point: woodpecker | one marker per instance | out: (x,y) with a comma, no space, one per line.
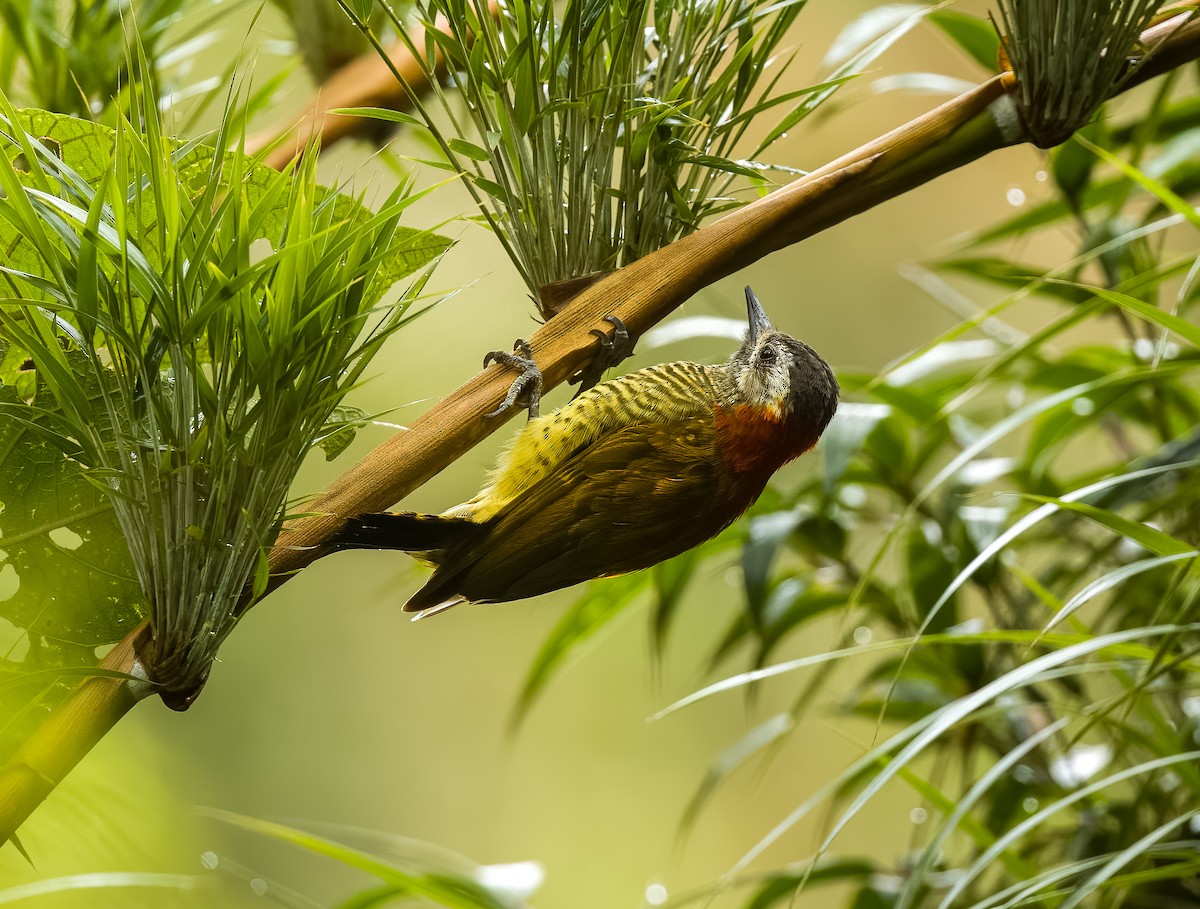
(631,472)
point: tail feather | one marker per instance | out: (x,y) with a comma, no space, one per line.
(404,531)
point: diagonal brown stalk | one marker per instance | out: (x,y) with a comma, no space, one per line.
(956,133)
(367,81)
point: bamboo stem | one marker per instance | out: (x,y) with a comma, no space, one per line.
(68,733)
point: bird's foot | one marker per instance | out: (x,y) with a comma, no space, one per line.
(526,389)
(614,348)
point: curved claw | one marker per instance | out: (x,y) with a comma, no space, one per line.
(614,348)
(528,385)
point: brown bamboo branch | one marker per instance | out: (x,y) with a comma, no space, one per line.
(642,293)
(363,82)
(366,81)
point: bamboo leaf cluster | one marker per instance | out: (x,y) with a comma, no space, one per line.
(1068,58)
(595,134)
(196,319)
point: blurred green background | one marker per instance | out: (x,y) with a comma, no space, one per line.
(328,707)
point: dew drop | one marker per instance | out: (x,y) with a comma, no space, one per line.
(853,496)
(1041,176)
(259,886)
(862,635)
(513,883)
(1083,406)
(1015,196)
(1079,765)
(918,815)
(656,894)
(1030,805)
(209,861)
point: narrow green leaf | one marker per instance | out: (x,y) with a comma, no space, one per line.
(1148,537)
(470,149)
(105,880)
(1114,578)
(441,886)
(1155,187)
(1189,331)
(379,113)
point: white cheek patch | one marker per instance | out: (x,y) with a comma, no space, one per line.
(768,389)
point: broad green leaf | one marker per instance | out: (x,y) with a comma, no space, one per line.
(87,148)
(845,435)
(67,585)
(341,428)
(766,534)
(977,37)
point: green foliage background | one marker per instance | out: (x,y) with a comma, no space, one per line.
(979,398)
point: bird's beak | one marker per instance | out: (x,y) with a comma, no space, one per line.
(759,323)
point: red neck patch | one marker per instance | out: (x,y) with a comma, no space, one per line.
(755,439)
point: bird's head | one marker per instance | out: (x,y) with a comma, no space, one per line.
(776,372)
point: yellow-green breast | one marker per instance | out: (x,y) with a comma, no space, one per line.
(658,394)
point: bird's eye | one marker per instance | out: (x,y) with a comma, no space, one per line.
(767,355)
